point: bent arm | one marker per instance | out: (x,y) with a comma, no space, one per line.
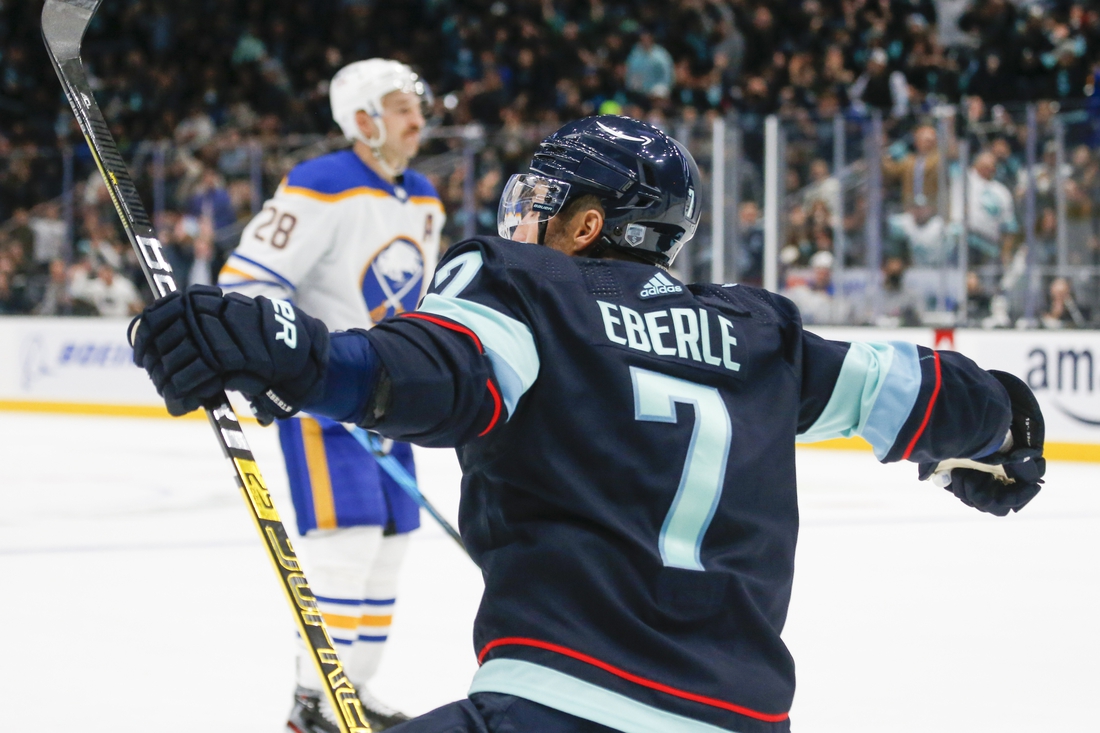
(436,380)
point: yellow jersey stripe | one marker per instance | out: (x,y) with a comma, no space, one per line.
(227,270)
(430,200)
(334,197)
(341,622)
(357,191)
(324,508)
(376,620)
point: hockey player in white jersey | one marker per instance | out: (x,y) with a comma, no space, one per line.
(353,237)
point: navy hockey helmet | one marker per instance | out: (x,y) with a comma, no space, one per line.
(647,183)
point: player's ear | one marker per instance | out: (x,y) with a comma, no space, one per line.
(586,227)
(366,125)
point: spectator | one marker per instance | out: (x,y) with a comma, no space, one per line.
(992,83)
(917,172)
(1046,237)
(751,237)
(978,300)
(1008,163)
(649,69)
(487,103)
(817,299)
(11,301)
(49,233)
(920,235)
(823,188)
(202,269)
(12,283)
(1045,173)
(729,53)
(879,88)
(210,200)
(196,130)
(1080,224)
(991,218)
(899,306)
(21,231)
(111,295)
(56,299)
(249,81)
(1063,310)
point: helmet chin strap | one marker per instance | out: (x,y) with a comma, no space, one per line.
(375,144)
(391,170)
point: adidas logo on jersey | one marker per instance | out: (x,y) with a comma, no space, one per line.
(659,285)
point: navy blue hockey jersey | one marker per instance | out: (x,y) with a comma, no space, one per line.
(627,446)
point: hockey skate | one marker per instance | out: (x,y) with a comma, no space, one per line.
(378,715)
(311,714)
(308,715)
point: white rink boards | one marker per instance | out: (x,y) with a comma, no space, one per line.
(137,596)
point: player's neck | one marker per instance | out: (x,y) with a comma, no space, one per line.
(613,254)
(386,170)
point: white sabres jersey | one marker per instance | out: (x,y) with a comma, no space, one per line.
(341,242)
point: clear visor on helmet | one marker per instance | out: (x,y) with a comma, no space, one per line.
(527,201)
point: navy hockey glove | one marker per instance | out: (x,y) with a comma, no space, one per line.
(197,344)
(1010,478)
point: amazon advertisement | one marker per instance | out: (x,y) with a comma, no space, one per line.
(1061,368)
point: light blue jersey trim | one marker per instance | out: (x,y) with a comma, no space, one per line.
(508,343)
(894,401)
(570,695)
(874,393)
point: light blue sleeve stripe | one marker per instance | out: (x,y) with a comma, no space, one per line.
(874,393)
(894,401)
(570,695)
(508,343)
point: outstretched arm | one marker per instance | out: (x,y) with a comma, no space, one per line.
(913,403)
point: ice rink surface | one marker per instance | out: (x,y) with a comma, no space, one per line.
(138,598)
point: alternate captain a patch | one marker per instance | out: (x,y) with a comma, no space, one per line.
(393,279)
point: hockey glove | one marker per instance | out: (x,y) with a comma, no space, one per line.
(197,344)
(1010,478)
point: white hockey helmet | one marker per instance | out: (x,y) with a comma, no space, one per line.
(361,85)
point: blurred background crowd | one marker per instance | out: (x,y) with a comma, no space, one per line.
(923,140)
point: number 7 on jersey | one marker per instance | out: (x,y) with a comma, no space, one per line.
(655,399)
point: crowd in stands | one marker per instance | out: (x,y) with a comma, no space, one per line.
(213,77)
(922,182)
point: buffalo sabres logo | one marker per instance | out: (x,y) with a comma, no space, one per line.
(392,280)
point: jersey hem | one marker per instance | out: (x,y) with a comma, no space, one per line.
(629,677)
(585,700)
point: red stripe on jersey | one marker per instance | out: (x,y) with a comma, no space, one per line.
(449,325)
(496,407)
(928,412)
(520,641)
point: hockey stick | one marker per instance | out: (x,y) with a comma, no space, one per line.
(373,443)
(941,474)
(63,25)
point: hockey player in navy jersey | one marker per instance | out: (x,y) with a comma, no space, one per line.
(627,441)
